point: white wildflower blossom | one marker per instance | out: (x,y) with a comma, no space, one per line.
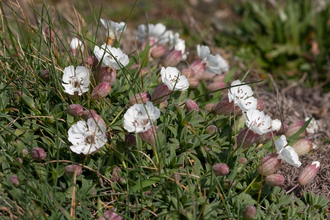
(75,43)
(139,117)
(75,80)
(173,80)
(286,152)
(242,96)
(177,43)
(87,138)
(113,28)
(154,32)
(257,121)
(276,125)
(213,63)
(312,127)
(111,56)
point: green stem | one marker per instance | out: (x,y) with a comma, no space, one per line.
(251,183)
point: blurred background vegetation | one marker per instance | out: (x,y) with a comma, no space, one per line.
(288,39)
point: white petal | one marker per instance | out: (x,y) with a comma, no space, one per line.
(203,51)
(276,125)
(290,156)
(249,103)
(280,143)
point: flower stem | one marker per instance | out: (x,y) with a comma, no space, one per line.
(155,152)
(251,183)
(292,189)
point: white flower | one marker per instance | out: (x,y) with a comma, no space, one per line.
(288,153)
(203,52)
(109,54)
(214,64)
(172,78)
(242,96)
(75,43)
(140,117)
(312,127)
(154,32)
(257,121)
(177,43)
(276,125)
(113,27)
(87,138)
(75,80)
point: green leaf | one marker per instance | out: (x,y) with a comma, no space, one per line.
(229,75)
(145,183)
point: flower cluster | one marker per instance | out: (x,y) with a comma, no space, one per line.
(144,107)
(213,63)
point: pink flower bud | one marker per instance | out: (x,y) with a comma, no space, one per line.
(91,62)
(144,71)
(224,107)
(101,91)
(208,107)
(303,146)
(147,193)
(215,86)
(226,184)
(218,78)
(176,177)
(242,160)
(25,152)
(75,110)
(139,98)
(71,169)
(20,160)
(86,113)
(160,94)
(106,74)
(159,51)
(220,169)
(110,215)
(50,34)
(45,75)
(172,58)
(249,212)
(199,68)
(189,73)
(191,105)
(38,154)
(211,129)
(284,128)
(14,180)
(260,105)
(308,173)
(268,136)
(269,164)
(208,76)
(295,127)
(130,140)
(150,135)
(247,138)
(193,83)
(275,180)
(152,45)
(115,174)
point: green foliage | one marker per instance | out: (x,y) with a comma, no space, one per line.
(285,39)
